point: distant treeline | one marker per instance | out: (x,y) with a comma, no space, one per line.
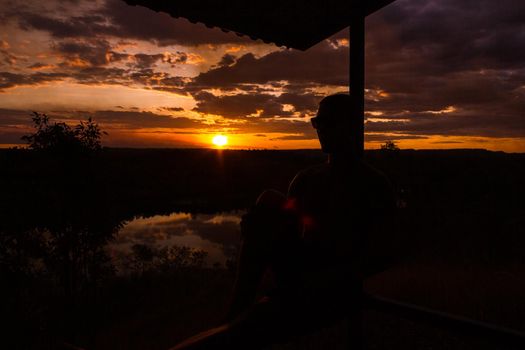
(448,196)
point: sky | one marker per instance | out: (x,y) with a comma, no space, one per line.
(439,74)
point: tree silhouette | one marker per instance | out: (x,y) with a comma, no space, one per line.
(389,145)
(63,138)
(74,218)
(145,258)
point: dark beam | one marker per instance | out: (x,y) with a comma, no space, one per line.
(505,338)
(357,83)
(297,24)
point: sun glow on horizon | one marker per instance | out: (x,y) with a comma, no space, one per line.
(220,140)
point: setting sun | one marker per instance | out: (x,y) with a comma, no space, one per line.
(220,140)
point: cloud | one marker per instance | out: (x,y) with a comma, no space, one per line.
(115,18)
(40,66)
(432,55)
(7,58)
(91,52)
(146,61)
(226,60)
(278,84)
(462,57)
(256,105)
(12,137)
(172,109)
(144,120)
(321,65)
(10,117)
(240,105)
(280,126)
(460,125)
(122,119)
(295,137)
(9,80)
(98,75)
(390,137)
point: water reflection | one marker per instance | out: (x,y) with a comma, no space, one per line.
(217,234)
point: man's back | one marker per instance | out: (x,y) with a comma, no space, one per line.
(339,206)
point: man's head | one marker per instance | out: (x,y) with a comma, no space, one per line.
(333,123)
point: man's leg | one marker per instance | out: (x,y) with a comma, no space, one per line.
(256,250)
(248,322)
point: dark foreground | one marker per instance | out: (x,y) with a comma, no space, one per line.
(457,246)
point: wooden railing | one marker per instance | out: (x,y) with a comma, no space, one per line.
(462,325)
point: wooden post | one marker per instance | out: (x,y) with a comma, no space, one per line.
(357,82)
(357,92)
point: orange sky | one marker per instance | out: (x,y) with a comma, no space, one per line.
(178,84)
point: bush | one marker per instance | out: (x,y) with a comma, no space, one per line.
(84,137)
(389,146)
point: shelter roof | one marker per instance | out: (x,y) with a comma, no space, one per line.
(297,24)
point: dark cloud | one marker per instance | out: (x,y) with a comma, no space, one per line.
(306,102)
(93,52)
(141,23)
(86,26)
(143,120)
(449,142)
(268,126)
(38,65)
(240,105)
(88,62)
(7,58)
(103,75)
(256,104)
(322,65)
(176,58)
(288,70)
(454,124)
(121,119)
(295,137)
(116,18)
(13,117)
(9,80)
(226,60)
(390,137)
(428,56)
(291,71)
(171,109)
(457,34)
(11,136)
(146,61)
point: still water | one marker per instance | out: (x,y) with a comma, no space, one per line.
(217,234)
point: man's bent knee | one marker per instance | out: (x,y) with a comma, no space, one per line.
(263,219)
(271,199)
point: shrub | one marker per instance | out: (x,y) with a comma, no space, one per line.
(63,138)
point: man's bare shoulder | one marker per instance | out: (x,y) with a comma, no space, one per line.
(302,178)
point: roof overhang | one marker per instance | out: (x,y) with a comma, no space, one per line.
(297,24)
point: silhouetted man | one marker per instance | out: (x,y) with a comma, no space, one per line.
(313,241)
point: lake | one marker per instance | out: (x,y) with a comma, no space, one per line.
(217,234)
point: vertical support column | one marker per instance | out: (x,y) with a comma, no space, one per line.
(357,92)
(357,82)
